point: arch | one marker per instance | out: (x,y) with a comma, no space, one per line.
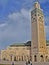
(42,58)
(27,57)
(19,58)
(46,58)
(4,58)
(11,58)
(31,58)
(35,58)
(15,58)
(22,58)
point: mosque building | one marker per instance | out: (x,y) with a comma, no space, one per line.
(37,49)
(19,52)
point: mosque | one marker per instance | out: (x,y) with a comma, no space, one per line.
(37,49)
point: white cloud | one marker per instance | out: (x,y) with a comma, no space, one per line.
(3,25)
(47,32)
(23,13)
(47,29)
(47,20)
(17,27)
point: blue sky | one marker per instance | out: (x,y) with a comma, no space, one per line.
(15,23)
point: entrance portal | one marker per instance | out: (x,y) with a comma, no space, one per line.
(14,58)
(42,58)
(35,58)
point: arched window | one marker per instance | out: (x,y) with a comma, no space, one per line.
(4,58)
(35,58)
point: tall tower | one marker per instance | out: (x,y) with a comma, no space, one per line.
(38,42)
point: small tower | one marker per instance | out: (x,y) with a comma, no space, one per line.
(38,42)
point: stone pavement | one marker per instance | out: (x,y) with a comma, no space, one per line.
(24,63)
(40,63)
(15,63)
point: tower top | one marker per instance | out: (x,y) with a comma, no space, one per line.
(36,5)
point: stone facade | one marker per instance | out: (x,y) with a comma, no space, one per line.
(17,52)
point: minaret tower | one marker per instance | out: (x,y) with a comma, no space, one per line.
(38,42)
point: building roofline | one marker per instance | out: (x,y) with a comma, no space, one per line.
(26,44)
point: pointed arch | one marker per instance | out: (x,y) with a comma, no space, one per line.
(35,58)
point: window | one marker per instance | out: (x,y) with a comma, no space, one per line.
(42,16)
(38,15)
(41,46)
(32,16)
(4,58)
(34,20)
(35,14)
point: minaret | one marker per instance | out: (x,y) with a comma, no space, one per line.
(38,42)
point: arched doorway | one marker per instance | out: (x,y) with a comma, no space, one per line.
(46,58)
(35,58)
(22,58)
(19,58)
(11,58)
(15,58)
(42,58)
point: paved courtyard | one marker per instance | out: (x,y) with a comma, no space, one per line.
(16,63)
(41,63)
(23,63)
